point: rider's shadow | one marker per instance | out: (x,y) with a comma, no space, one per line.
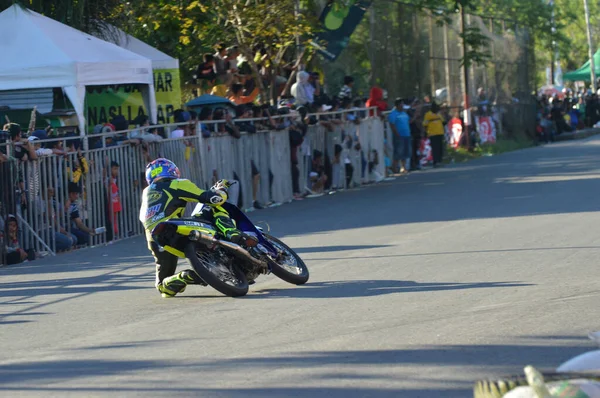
(368,288)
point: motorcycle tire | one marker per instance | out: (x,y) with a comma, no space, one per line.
(281,272)
(497,388)
(240,289)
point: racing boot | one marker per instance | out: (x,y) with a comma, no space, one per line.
(231,233)
(177,283)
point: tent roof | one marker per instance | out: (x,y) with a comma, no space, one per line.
(42,52)
(159,59)
(583,73)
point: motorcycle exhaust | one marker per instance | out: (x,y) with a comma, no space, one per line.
(238,250)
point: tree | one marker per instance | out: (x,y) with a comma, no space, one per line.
(89,16)
(186,29)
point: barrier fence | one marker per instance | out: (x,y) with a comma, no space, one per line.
(36,192)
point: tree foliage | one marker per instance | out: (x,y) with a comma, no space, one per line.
(187,29)
(86,15)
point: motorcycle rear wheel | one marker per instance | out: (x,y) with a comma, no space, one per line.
(210,268)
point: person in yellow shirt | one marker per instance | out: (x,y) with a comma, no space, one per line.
(220,90)
(434,125)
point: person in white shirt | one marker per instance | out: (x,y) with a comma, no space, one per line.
(179,132)
(43,151)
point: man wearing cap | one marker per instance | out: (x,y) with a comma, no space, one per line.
(39,151)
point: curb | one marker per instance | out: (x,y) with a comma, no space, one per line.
(578,135)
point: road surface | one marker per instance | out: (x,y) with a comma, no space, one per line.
(418,287)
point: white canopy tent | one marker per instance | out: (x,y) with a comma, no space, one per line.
(39,52)
(159,59)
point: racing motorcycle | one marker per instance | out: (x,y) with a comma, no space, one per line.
(224,265)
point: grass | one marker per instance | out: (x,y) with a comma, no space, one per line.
(502,145)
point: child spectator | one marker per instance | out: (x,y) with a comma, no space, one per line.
(115,200)
(317,173)
(15,254)
(346,91)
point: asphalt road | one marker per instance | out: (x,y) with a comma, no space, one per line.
(418,287)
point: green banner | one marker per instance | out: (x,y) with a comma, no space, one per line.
(339,20)
(103,103)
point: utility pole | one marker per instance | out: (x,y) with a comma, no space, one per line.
(450,96)
(590,48)
(431,57)
(372,22)
(465,67)
(552,56)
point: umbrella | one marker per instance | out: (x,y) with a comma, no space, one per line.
(551,91)
(208,99)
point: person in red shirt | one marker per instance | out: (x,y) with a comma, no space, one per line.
(115,199)
(376,100)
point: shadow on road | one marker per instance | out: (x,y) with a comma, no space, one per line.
(559,179)
(327,249)
(20,294)
(530,249)
(330,366)
(369,288)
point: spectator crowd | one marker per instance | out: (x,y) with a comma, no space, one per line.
(54,211)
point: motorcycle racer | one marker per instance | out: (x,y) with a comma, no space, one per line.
(165,198)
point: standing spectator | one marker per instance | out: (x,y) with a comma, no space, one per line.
(346,91)
(180,130)
(39,151)
(221,65)
(416,117)
(434,124)
(115,200)
(238,97)
(227,126)
(297,132)
(222,70)
(232,62)
(557,115)
(78,228)
(400,125)
(205,74)
(21,149)
(206,115)
(302,90)
(376,100)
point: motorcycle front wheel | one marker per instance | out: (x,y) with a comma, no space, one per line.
(209,265)
(289,266)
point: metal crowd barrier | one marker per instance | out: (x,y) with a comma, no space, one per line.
(41,201)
